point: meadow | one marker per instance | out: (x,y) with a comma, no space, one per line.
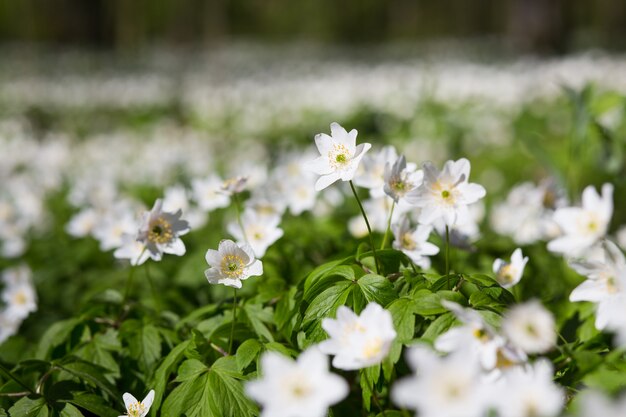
(204,234)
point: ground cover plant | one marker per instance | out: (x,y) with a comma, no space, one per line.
(451,258)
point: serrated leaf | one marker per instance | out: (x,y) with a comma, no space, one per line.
(427,303)
(377,288)
(56,335)
(190,369)
(94,404)
(330,276)
(247,353)
(228,398)
(257,315)
(89,372)
(27,407)
(324,305)
(162,374)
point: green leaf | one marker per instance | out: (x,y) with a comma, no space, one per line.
(377,288)
(190,369)
(330,276)
(27,407)
(144,342)
(257,315)
(94,404)
(247,352)
(89,372)
(70,411)
(439,326)
(324,305)
(427,303)
(162,374)
(228,398)
(369,377)
(403,315)
(56,335)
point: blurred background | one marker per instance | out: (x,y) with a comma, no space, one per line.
(544,26)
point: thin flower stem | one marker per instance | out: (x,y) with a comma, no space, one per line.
(15,394)
(131,273)
(448,254)
(375,398)
(155,295)
(238,212)
(367,223)
(388,230)
(14,378)
(232,326)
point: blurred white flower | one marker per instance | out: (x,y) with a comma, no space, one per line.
(400,179)
(302,388)
(230,264)
(371,172)
(530,327)
(82,223)
(134,408)
(132,249)
(259,231)
(581,227)
(621,237)
(510,273)
(597,404)
(113,224)
(340,156)
(442,386)
(358,341)
(234,185)
(529,392)
(446,194)
(414,242)
(19,297)
(160,232)
(207,192)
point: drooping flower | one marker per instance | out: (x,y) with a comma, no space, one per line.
(160,232)
(582,227)
(358,341)
(414,242)
(530,327)
(400,180)
(442,386)
(340,156)
(230,264)
(259,231)
(134,408)
(446,194)
(302,388)
(510,273)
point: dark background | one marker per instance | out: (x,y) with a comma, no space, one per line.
(541,26)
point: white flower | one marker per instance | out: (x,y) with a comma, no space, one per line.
(82,223)
(340,156)
(230,264)
(113,224)
(446,194)
(414,242)
(474,337)
(259,231)
(583,226)
(132,249)
(400,180)
(530,327)
(596,404)
(371,172)
(358,341)
(207,192)
(302,388)
(621,237)
(509,273)
(160,231)
(18,295)
(529,392)
(234,185)
(135,408)
(441,387)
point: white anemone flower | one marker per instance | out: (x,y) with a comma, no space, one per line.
(340,156)
(582,227)
(414,242)
(529,392)
(530,327)
(259,231)
(401,179)
(135,408)
(446,194)
(207,192)
(595,404)
(132,249)
(358,341)
(371,172)
(302,388)
(442,386)
(510,273)
(474,337)
(160,231)
(82,223)
(230,264)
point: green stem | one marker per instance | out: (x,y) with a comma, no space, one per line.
(232,326)
(448,254)
(386,236)
(131,273)
(367,223)
(375,398)
(14,378)
(155,295)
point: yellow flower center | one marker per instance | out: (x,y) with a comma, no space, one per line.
(503,362)
(506,273)
(408,242)
(160,231)
(481,334)
(20,298)
(232,265)
(136,409)
(373,348)
(445,194)
(339,156)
